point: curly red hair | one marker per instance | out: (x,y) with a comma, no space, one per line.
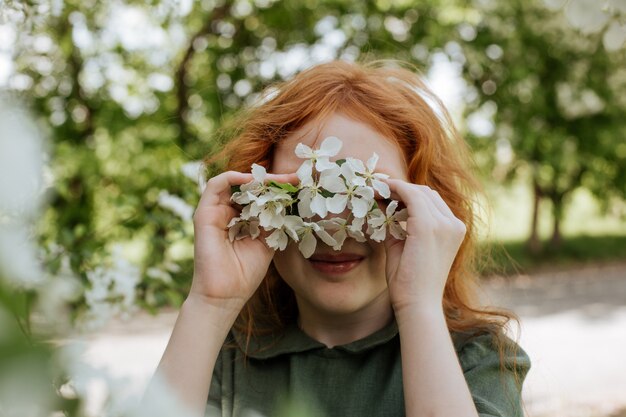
(395,102)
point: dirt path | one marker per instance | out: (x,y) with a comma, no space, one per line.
(573,327)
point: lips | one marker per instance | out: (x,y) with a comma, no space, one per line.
(335,264)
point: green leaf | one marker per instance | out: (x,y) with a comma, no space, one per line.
(235,189)
(340,162)
(290,188)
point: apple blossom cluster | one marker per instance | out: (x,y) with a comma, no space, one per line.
(286,211)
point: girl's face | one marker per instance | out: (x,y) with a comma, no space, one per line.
(364,286)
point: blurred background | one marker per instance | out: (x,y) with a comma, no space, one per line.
(108,107)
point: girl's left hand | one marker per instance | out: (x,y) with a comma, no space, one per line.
(417,268)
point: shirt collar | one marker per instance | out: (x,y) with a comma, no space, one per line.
(294,340)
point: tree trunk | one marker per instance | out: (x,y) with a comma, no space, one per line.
(557,211)
(533,244)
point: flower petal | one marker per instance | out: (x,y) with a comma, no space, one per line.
(401,215)
(240,198)
(265,218)
(379,234)
(329,224)
(277,240)
(233,221)
(366,192)
(307,245)
(347,172)
(278,219)
(360,207)
(258,173)
(304,205)
(254,229)
(357,224)
(391,208)
(303,151)
(305,173)
(356,165)
(326,238)
(245,212)
(234,229)
(381,187)
(334,184)
(292,225)
(359,181)
(397,231)
(318,206)
(253,208)
(337,203)
(339,236)
(330,146)
(371,163)
(358,236)
(324,164)
(376,218)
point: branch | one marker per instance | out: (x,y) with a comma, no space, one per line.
(182,92)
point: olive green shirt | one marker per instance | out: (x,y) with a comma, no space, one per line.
(297,376)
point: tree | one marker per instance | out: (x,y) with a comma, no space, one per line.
(558,100)
(132,93)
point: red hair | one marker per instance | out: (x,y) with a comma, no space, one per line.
(395,102)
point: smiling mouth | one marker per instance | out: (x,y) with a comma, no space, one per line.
(336,264)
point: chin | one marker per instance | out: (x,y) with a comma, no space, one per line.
(340,301)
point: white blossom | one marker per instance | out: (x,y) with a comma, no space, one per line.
(254,188)
(325,187)
(308,242)
(311,199)
(19,263)
(238,228)
(176,205)
(160,274)
(359,196)
(378,222)
(111,291)
(320,157)
(22,158)
(55,294)
(194,170)
(342,229)
(270,208)
(367,172)
(279,238)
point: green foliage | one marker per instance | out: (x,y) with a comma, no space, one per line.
(126,113)
(555,98)
(284,186)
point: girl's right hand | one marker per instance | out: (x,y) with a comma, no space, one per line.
(225,272)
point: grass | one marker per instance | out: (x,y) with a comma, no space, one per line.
(511,257)
(589,236)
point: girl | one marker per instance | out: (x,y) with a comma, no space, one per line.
(375,329)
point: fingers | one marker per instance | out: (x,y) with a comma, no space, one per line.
(439,203)
(214,208)
(422,197)
(414,200)
(218,189)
